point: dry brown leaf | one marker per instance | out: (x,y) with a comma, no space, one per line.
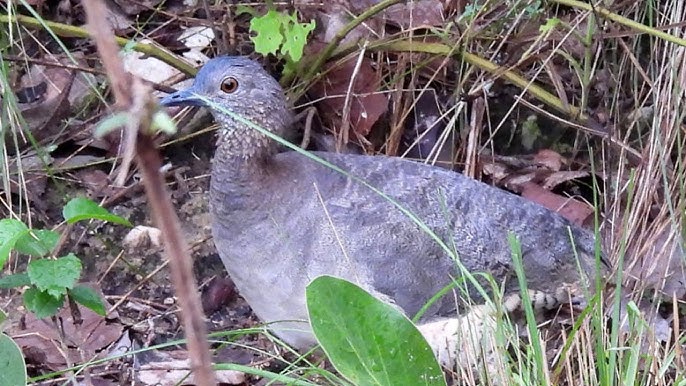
(415,14)
(569,208)
(40,341)
(365,103)
(555,179)
(43,98)
(550,159)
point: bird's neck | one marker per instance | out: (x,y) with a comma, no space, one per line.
(241,169)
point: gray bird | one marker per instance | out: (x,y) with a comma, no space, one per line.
(280,219)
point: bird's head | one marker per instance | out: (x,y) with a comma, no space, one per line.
(241,86)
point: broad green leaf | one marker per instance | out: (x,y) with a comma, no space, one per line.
(295,36)
(11,230)
(80,208)
(37,242)
(368,341)
(268,30)
(14,281)
(41,303)
(12,366)
(89,298)
(55,276)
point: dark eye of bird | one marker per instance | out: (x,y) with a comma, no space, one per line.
(229,85)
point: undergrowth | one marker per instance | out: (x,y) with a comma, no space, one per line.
(558,75)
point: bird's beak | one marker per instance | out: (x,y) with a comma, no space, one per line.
(186,97)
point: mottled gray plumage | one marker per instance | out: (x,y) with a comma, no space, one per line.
(281,219)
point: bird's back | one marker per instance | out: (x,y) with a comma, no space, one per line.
(307,220)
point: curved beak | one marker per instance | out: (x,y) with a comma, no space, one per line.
(186,97)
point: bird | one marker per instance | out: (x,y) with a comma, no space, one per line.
(280,219)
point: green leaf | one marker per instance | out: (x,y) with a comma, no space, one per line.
(14,281)
(368,341)
(268,30)
(80,208)
(37,242)
(41,303)
(89,298)
(110,124)
(10,231)
(12,366)
(55,276)
(296,37)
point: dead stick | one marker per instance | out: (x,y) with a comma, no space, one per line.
(135,98)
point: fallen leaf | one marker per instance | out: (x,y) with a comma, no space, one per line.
(366,105)
(550,159)
(45,91)
(413,14)
(40,341)
(569,208)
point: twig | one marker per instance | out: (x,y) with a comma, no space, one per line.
(133,96)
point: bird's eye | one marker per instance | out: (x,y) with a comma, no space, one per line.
(229,84)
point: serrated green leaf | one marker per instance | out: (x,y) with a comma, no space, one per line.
(12,366)
(110,124)
(369,341)
(10,231)
(162,121)
(15,280)
(41,303)
(295,38)
(80,208)
(89,298)
(268,38)
(37,242)
(55,276)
